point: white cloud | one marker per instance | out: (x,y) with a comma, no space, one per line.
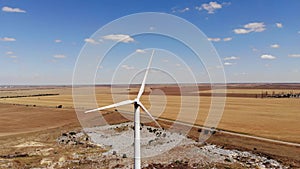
(13,56)
(294,55)
(227,39)
(151,28)
(177,64)
(241,31)
(211,7)
(228,64)
(9,9)
(266,56)
(119,38)
(127,67)
(279,25)
(231,58)
(140,51)
(9,53)
(57,40)
(219,39)
(274,46)
(214,39)
(180,10)
(91,41)
(184,10)
(255,26)
(59,56)
(251,27)
(7,39)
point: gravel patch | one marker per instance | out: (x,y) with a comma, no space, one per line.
(163,147)
(119,139)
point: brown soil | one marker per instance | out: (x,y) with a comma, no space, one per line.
(17,119)
(50,125)
(21,123)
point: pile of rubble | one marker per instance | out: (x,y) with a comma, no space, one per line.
(153,141)
(73,138)
(246,159)
(163,148)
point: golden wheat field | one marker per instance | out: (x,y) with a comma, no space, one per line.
(276,118)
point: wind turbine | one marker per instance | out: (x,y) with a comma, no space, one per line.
(137,105)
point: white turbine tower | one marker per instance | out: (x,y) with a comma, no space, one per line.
(137,105)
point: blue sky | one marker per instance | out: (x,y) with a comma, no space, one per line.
(257,41)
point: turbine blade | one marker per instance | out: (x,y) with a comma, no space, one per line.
(145,110)
(122,103)
(142,89)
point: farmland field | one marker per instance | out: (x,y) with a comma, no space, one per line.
(275,118)
(39,115)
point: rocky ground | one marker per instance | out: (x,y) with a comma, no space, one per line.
(166,149)
(112,147)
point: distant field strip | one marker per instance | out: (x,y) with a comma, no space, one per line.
(34,95)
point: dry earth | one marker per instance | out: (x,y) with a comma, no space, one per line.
(31,125)
(269,117)
(42,149)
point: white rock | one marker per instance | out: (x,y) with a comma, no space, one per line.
(46,161)
(62,159)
